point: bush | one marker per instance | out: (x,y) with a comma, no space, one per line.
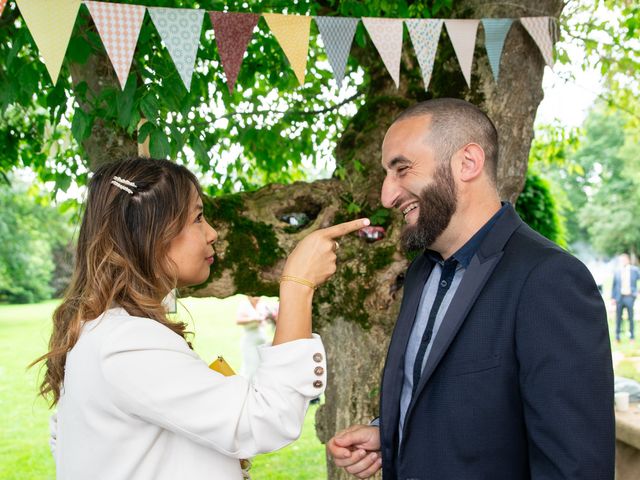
(539,210)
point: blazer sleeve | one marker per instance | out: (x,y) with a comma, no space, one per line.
(152,374)
(566,374)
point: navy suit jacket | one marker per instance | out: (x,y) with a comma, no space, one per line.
(519,382)
(617,277)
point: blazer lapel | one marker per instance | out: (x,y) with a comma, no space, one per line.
(480,268)
(394,367)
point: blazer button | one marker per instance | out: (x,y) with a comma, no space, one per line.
(317,384)
(318,371)
(317,357)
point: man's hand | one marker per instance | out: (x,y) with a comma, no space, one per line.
(357,450)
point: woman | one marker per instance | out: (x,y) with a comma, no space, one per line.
(133,400)
(254,314)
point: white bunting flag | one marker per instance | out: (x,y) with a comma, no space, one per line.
(425,34)
(119,27)
(540,30)
(463,37)
(386,34)
(180,30)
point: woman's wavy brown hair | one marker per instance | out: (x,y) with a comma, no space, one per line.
(122,253)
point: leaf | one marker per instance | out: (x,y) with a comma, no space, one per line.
(159,144)
(79,50)
(81,125)
(144,131)
(124,102)
(150,108)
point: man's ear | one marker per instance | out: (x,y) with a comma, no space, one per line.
(472,162)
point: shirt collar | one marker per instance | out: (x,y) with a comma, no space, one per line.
(465,253)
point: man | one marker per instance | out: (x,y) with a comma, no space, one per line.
(623,293)
(499,366)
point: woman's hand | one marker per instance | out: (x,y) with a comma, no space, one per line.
(314,258)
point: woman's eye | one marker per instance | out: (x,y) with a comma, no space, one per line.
(199,218)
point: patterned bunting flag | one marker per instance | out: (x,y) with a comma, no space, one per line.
(119,27)
(425,35)
(463,37)
(337,35)
(386,34)
(233,32)
(292,32)
(179,29)
(495,33)
(3,3)
(50,23)
(540,30)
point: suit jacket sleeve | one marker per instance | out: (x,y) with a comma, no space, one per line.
(615,286)
(153,375)
(566,375)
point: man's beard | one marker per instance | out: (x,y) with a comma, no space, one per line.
(437,204)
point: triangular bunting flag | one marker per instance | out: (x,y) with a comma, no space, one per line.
(50,23)
(425,35)
(495,33)
(540,30)
(119,27)
(3,3)
(463,37)
(233,32)
(337,35)
(292,32)
(180,30)
(386,34)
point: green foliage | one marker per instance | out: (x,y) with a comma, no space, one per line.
(607,30)
(539,210)
(261,133)
(30,229)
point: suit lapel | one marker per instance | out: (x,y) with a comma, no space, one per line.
(394,368)
(478,272)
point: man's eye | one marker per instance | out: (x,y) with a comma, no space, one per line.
(402,170)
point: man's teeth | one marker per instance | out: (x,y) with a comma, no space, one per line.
(409,208)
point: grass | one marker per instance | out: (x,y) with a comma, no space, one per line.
(24,332)
(24,449)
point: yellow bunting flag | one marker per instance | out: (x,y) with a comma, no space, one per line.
(292,32)
(50,23)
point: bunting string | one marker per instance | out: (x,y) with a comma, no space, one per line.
(51,23)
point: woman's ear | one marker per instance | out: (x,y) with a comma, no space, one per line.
(472,163)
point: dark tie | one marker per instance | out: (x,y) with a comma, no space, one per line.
(446,277)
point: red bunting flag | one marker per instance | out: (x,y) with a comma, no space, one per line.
(233,32)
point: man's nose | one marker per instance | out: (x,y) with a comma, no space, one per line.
(389,193)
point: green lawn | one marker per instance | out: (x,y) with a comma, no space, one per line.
(24,450)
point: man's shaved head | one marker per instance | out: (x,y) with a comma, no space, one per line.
(454,123)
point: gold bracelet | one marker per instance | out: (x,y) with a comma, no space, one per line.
(301,281)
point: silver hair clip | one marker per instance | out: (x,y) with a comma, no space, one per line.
(121,182)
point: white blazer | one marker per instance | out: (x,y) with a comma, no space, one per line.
(137,403)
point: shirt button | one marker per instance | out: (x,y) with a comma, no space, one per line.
(443,283)
(318,371)
(317,384)
(317,357)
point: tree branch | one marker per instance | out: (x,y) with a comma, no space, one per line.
(297,112)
